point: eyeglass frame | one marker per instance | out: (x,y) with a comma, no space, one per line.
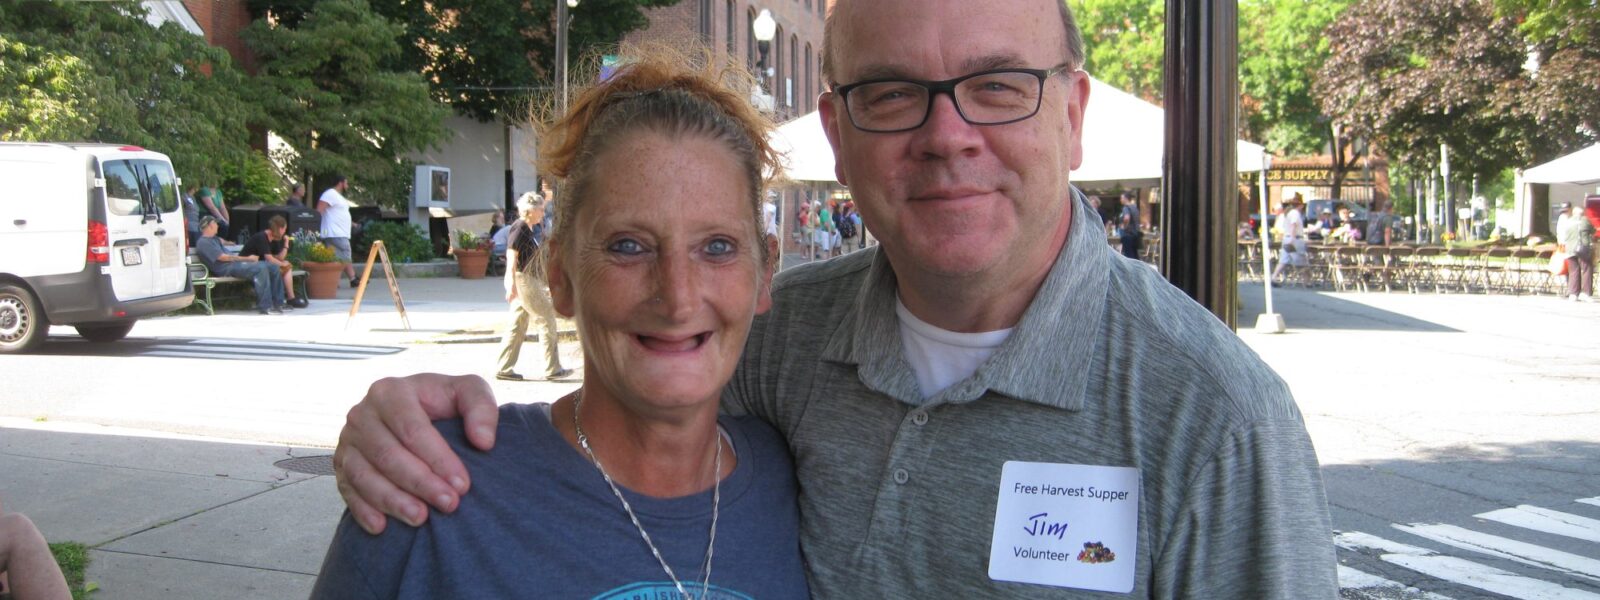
(948,87)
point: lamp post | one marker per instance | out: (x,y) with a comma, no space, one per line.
(1268,322)
(563,19)
(764,28)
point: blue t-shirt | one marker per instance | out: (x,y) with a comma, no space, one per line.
(540,521)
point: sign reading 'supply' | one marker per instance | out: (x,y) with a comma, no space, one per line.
(1066,525)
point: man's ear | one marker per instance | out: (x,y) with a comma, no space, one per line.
(1077,100)
(830,127)
(559,280)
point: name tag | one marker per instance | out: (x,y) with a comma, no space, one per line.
(1065,525)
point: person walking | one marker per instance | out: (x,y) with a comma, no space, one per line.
(525,290)
(1577,240)
(1293,248)
(335,209)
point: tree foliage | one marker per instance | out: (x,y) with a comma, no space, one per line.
(326,90)
(489,58)
(97,71)
(1412,74)
(1281,47)
(1126,43)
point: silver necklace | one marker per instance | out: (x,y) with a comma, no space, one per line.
(716,503)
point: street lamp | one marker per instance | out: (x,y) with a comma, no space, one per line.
(764,28)
(563,19)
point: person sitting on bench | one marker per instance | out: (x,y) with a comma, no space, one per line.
(268,285)
(272,245)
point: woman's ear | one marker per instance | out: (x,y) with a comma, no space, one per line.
(560,282)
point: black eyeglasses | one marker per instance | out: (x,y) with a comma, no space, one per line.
(993,97)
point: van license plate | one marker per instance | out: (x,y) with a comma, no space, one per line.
(131,257)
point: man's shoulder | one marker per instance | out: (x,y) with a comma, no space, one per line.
(1175,338)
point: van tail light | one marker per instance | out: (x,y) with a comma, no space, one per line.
(99,244)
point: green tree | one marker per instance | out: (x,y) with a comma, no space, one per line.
(1563,93)
(490,58)
(97,71)
(1412,74)
(1281,47)
(1126,44)
(326,89)
(44,94)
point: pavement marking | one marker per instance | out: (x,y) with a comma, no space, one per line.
(237,343)
(1372,587)
(1548,521)
(1493,545)
(1595,500)
(1459,571)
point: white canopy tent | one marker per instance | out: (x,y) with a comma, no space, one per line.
(1123,143)
(1571,178)
(1581,167)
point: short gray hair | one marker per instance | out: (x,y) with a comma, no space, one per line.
(1074,42)
(529,201)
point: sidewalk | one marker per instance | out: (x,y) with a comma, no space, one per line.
(174,516)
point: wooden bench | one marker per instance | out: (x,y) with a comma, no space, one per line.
(200,277)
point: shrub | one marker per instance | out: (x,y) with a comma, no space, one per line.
(406,242)
(255,181)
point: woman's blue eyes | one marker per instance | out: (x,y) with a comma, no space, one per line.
(627,247)
(716,247)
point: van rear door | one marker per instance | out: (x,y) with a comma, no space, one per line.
(131,231)
(161,191)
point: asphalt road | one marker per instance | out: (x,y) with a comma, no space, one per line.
(1459,435)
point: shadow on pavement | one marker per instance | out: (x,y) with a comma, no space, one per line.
(1307,309)
(211,349)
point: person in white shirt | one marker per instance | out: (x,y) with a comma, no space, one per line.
(1293,225)
(335,211)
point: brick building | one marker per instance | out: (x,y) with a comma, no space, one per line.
(795,57)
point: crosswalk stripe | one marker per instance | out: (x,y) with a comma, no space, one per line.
(1373,587)
(1493,545)
(1460,571)
(1548,521)
(1595,500)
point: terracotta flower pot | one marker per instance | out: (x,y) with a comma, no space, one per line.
(472,263)
(322,279)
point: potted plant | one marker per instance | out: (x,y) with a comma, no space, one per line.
(472,254)
(321,265)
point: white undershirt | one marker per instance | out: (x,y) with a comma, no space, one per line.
(940,358)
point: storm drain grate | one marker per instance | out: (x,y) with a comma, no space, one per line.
(310,465)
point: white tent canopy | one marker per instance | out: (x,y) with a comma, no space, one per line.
(1581,167)
(1123,142)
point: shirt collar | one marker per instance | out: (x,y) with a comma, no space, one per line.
(1046,359)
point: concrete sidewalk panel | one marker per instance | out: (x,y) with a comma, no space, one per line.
(95,504)
(285,529)
(134,577)
(148,451)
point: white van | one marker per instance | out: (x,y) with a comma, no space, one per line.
(92,236)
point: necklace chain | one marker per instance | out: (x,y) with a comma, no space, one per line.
(716,503)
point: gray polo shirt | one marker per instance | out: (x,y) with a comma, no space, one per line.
(1109,366)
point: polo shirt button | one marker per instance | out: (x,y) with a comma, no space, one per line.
(919,417)
(901,476)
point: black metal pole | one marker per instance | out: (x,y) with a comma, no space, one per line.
(1199,192)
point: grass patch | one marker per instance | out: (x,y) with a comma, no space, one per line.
(74,560)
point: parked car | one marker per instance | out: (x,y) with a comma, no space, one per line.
(91,236)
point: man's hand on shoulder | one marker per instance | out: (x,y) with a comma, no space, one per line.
(390,459)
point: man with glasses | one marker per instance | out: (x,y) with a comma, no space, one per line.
(998,404)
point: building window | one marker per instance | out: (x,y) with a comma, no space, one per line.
(794,69)
(733,45)
(750,39)
(811,75)
(777,67)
